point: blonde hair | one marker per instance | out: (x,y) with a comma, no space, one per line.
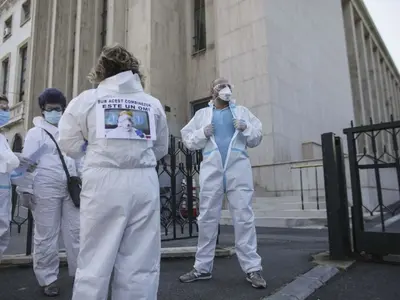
(126,112)
(112,61)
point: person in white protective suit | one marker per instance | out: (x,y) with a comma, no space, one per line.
(224,131)
(8,162)
(125,129)
(52,208)
(120,200)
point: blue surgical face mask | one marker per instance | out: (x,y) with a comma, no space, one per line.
(4,117)
(53,117)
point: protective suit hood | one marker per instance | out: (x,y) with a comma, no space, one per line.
(122,83)
(42,123)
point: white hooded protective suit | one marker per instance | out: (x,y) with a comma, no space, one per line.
(52,208)
(8,162)
(238,178)
(120,201)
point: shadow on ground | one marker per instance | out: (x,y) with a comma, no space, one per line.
(285,252)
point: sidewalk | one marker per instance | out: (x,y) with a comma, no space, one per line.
(285,252)
(365,281)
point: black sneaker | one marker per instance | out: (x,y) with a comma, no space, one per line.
(52,290)
(194,276)
(256,280)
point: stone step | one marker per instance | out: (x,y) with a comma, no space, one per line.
(287,205)
(279,222)
(283,199)
(295,213)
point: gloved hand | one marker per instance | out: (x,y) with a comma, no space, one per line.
(240,124)
(84,146)
(139,133)
(23,161)
(208,130)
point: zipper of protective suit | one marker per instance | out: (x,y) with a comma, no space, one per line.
(225,164)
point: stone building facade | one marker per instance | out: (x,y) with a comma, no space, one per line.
(15,26)
(297,65)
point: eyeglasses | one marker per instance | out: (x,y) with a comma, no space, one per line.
(222,86)
(49,109)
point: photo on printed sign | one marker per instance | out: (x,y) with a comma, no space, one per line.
(126,124)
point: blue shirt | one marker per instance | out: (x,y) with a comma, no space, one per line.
(224,130)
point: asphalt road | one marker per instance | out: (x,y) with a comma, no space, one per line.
(285,252)
(364,281)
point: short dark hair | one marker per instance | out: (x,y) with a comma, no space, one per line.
(52,96)
(3,98)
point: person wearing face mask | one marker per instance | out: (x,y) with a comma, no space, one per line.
(125,129)
(8,162)
(53,210)
(224,131)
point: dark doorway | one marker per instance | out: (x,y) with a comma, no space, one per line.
(17,144)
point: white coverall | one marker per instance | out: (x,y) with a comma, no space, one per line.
(120,201)
(239,187)
(8,162)
(52,208)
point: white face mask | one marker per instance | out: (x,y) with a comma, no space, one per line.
(126,125)
(225,94)
(53,117)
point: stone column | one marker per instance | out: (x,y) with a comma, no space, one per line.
(62,46)
(392,95)
(354,66)
(87,42)
(364,71)
(375,96)
(138,26)
(168,60)
(117,29)
(383,116)
(39,54)
(397,97)
(375,90)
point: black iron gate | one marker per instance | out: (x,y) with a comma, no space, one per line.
(179,187)
(374,169)
(179,198)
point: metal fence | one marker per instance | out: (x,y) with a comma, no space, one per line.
(374,169)
(178,174)
(314,190)
(179,196)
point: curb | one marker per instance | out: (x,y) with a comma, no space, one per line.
(306,284)
(166,253)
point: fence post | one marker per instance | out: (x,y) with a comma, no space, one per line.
(336,197)
(29,234)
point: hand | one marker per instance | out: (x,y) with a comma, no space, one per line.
(84,146)
(240,124)
(32,168)
(23,161)
(209,130)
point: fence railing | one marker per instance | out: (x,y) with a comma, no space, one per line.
(367,152)
(301,169)
(179,200)
(178,174)
(373,151)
